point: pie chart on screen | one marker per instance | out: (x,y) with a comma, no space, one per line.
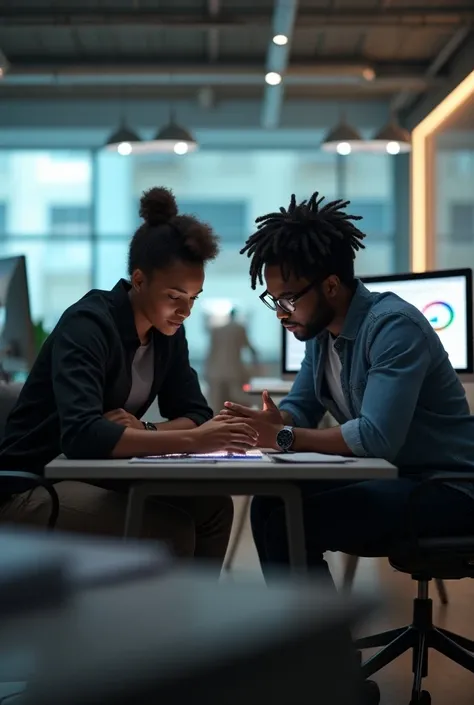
(440,314)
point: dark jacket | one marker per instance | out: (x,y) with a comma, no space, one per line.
(84,370)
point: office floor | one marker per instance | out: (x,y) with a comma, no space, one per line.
(447,682)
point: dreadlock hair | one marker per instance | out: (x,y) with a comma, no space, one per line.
(307,240)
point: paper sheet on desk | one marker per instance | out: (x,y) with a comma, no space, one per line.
(166,461)
(310,458)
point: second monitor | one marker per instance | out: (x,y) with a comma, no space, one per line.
(444,297)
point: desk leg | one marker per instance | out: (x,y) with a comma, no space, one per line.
(134,515)
(289,493)
(295,527)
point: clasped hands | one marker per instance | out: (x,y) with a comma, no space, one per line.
(230,433)
(266,421)
(235,428)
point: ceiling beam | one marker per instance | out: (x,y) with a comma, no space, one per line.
(402,99)
(205,98)
(460,68)
(251,80)
(407,16)
(338,70)
(213,7)
(284,17)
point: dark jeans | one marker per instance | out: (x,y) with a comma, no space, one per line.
(361,518)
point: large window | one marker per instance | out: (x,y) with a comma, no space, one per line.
(45,196)
(3,219)
(75,239)
(227,218)
(70,221)
(368,182)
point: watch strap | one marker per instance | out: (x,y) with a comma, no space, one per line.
(148,426)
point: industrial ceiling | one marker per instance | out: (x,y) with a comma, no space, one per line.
(209,52)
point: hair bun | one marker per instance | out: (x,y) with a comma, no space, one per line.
(158,206)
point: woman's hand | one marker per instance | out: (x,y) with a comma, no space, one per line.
(230,434)
(123,418)
(267,431)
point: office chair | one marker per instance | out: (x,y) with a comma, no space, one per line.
(425,559)
(16,481)
(350,569)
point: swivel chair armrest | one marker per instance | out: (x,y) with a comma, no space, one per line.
(31,479)
(414,499)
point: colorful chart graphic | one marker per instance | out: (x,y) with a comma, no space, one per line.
(440,314)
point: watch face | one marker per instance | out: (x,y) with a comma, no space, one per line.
(285,438)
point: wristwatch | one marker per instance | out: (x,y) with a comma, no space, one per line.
(285,438)
(148,426)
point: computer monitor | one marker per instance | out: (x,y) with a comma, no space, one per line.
(445,298)
(17,337)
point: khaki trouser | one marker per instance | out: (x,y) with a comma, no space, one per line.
(191,526)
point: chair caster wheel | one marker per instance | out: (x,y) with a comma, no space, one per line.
(424,698)
(371,693)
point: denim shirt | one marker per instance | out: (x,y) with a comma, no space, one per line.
(407,403)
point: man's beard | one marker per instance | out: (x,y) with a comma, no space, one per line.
(319,322)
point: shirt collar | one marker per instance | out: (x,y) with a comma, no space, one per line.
(357,311)
(359,306)
(123,312)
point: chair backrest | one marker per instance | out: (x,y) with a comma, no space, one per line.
(8,396)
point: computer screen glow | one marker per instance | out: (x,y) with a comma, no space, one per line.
(442,299)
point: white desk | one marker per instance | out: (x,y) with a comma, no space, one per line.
(244,478)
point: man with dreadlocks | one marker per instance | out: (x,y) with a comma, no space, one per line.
(377,365)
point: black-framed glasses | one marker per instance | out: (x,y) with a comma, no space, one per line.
(286,304)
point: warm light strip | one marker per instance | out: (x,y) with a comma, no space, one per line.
(419,185)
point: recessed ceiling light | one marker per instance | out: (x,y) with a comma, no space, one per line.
(273,78)
(280,39)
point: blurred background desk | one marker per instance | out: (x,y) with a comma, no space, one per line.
(278,389)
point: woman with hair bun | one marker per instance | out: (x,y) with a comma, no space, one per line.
(107,360)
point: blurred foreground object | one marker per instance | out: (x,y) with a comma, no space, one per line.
(178,634)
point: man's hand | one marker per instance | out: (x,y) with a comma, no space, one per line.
(269,414)
(123,418)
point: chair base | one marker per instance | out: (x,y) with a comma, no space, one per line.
(420,636)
